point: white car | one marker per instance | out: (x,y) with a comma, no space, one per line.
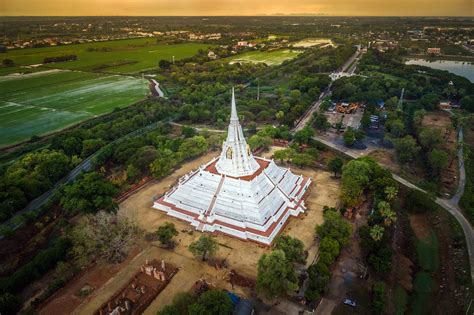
(349,302)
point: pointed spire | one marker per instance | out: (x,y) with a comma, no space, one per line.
(233,113)
(236,159)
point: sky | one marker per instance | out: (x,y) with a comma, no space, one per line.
(238,7)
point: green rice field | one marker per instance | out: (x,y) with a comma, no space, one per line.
(270,58)
(120,56)
(42,102)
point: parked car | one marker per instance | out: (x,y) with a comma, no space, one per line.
(350,302)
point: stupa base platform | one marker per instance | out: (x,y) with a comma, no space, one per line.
(241,231)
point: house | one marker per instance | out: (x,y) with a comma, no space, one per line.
(211,55)
(433,51)
(445,105)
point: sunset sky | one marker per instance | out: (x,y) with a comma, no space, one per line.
(238,7)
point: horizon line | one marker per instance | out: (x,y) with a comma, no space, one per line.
(257,15)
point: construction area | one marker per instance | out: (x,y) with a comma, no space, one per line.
(349,114)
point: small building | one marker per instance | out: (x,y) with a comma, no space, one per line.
(445,105)
(433,51)
(211,55)
(242,44)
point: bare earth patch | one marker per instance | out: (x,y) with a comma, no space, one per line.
(442,121)
(420,225)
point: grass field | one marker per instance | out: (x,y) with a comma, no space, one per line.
(271,58)
(42,102)
(120,56)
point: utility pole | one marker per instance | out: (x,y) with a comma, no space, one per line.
(258,92)
(173,59)
(400,101)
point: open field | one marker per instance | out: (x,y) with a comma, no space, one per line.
(270,58)
(240,255)
(121,56)
(42,102)
(310,42)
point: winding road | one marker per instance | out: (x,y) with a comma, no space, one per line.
(450,205)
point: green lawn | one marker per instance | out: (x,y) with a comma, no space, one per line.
(120,56)
(43,102)
(270,58)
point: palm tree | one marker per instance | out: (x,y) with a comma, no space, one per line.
(391,193)
(383,206)
(389,217)
(376,232)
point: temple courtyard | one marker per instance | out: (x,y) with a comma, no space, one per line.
(240,255)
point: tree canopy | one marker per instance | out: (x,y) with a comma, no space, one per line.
(90,193)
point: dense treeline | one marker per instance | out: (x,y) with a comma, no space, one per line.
(383,75)
(36,172)
(36,268)
(60,59)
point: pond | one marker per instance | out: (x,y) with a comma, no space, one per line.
(461,68)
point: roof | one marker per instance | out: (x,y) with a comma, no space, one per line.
(243,307)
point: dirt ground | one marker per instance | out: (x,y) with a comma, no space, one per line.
(240,255)
(387,159)
(442,121)
(420,225)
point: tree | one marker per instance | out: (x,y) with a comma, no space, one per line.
(321,122)
(204,247)
(257,141)
(304,135)
(391,193)
(387,213)
(280,115)
(8,63)
(330,246)
(164,64)
(9,303)
(143,158)
(349,137)
(335,165)
(276,275)
(406,148)
(90,146)
(356,176)
(429,101)
(192,147)
(334,227)
(438,160)
(188,131)
(397,128)
(164,164)
(90,193)
(212,302)
(103,236)
(284,155)
(376,232)
(166,232)
(378,300)
(302,159)
(292,247)
(467,103)
(430,138)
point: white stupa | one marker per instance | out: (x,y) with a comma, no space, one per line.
(237,194)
